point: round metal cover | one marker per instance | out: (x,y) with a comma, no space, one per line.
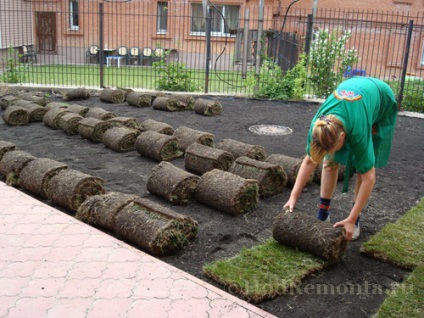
(272,130)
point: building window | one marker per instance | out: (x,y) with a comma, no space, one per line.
(224,18)
(73,15)
(162,18)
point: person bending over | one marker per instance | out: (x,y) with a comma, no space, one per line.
(353,127)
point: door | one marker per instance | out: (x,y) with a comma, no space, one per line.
(46,32)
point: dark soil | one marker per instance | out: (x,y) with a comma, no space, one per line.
(354,287)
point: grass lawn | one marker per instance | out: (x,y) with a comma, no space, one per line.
(264,271)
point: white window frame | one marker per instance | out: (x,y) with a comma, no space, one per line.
(221,32)
(162,13)
(72,26)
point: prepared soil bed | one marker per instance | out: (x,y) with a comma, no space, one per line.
(222,235)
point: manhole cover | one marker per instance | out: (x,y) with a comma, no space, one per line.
(272,130)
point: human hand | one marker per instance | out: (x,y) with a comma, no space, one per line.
(290,205)
(349,227)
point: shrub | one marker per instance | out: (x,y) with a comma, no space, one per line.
(12,74)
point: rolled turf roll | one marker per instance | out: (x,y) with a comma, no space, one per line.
(160,147)
(290,165)
(158,126)
(172,183)
(114,96)
(36,112)
(6,146)
(120,139)
(139,99)
(304,232)
(35,97)
(15,116)
(169,104)
(186,99)
(12,164)
(51,105)
(318,173)
(70,188)
(101,209)
(227,192)
(78,109)
(200,159)
(76,94)
(100,113)
(51,118)
(187,136)
(128,122)
(154,232)
(7,101)
(23,102)
(36,175)
(93,128)
(207,107)
(69,123)
(271,177)
(239,149)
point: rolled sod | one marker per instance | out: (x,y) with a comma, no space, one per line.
(35,97)
(239,149)
(23,102)
(169,104)
(6,146)
(186,99)
(76,94)
(93,128)
(114,96)
(157,146)
(36,112)
(318,173)
(56,104)
(70,188)
(187,136)
(227,192)
(128,122)
(172,183)
(158,126)
(69,123)
(78,109)
(12,164)
(200,159)
(207,107)
(7,101)
(120,139)
(290,166)
(154,232)
(271,177)
(101,209)
(51,118)
(100,113)
(304,232)
(139,99)
(36,175)
(15,116)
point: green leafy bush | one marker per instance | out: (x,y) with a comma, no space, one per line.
(12,73)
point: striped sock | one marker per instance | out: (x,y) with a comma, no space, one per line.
(324,206)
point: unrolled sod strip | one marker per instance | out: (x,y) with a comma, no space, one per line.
(239,149)
(227,192)
(187,136)
(172,183)
(93,129)
(207,107)
(120,139)
(70,188)
(200,158)
(304,232)
(160,147)
(36,175)
(271,177)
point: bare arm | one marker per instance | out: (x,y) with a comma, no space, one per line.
(365,185)
(306,169)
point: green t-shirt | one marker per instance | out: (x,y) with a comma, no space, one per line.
(360,103)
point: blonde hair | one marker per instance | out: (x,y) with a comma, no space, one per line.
(325,135)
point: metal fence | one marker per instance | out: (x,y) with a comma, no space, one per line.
(116,42)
